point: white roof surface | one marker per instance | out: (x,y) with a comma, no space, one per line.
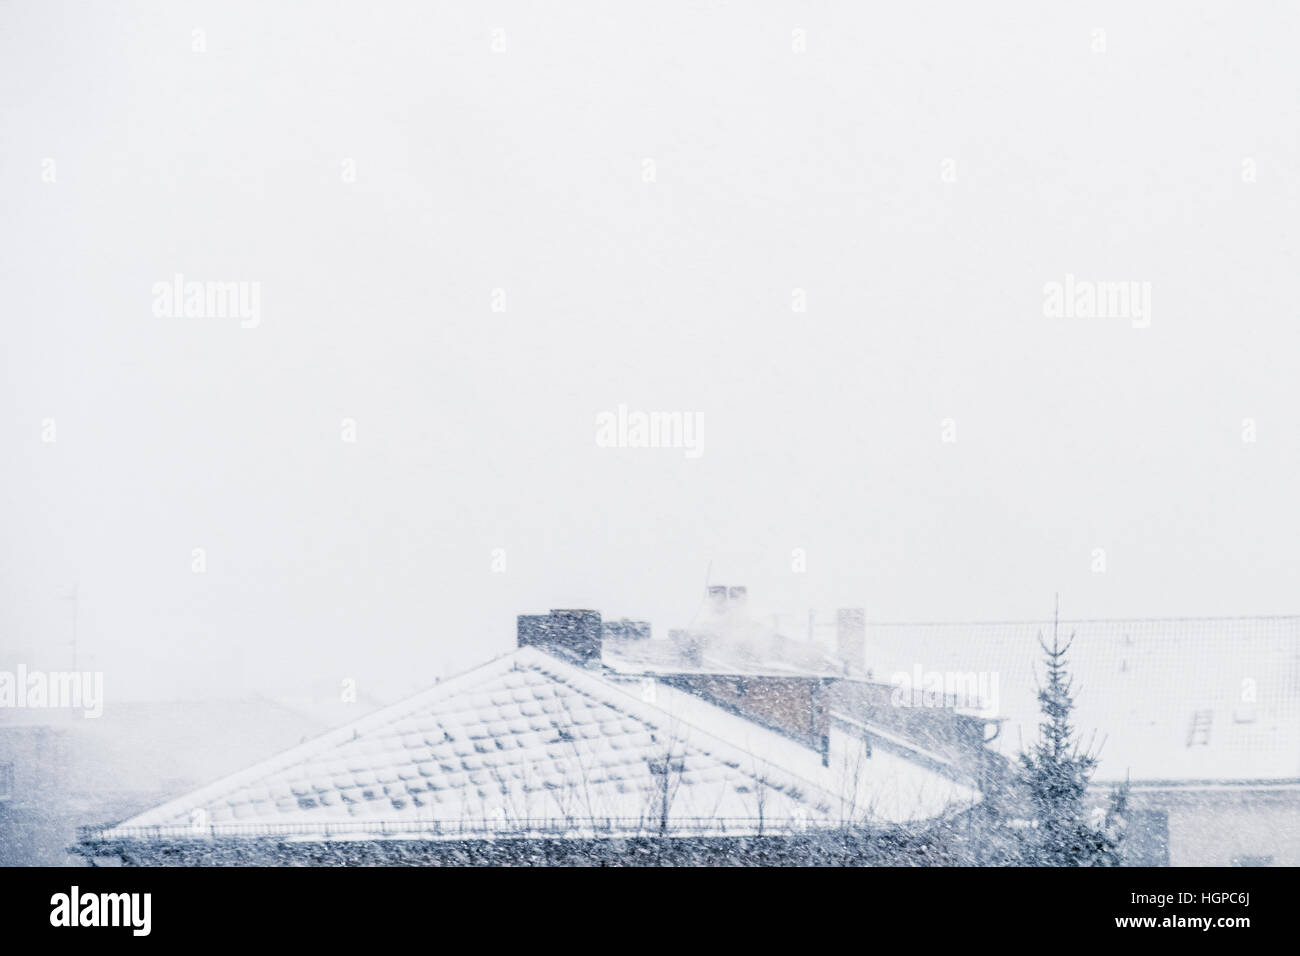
(657,656)
(528,737)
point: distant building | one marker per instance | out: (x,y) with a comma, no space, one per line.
(59,769)
(1201,715)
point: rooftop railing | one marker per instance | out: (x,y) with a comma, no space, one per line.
(545,828)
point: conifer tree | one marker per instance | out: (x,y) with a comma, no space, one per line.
(1055,774)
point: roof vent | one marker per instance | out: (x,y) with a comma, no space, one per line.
(1198,735)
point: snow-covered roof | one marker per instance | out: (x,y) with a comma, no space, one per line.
(1178,700)
(659,656)
(529,737)
(866,782)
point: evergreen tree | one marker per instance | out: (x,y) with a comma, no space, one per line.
(1055,774)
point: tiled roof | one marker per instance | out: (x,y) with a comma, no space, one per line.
(529,737)
(1190,700)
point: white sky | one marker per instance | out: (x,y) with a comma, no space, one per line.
(522,170)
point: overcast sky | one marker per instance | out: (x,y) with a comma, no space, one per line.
(920,172)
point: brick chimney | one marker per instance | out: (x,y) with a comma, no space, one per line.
(574,634)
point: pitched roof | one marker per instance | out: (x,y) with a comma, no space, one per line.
(529,737)
(1186,700)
